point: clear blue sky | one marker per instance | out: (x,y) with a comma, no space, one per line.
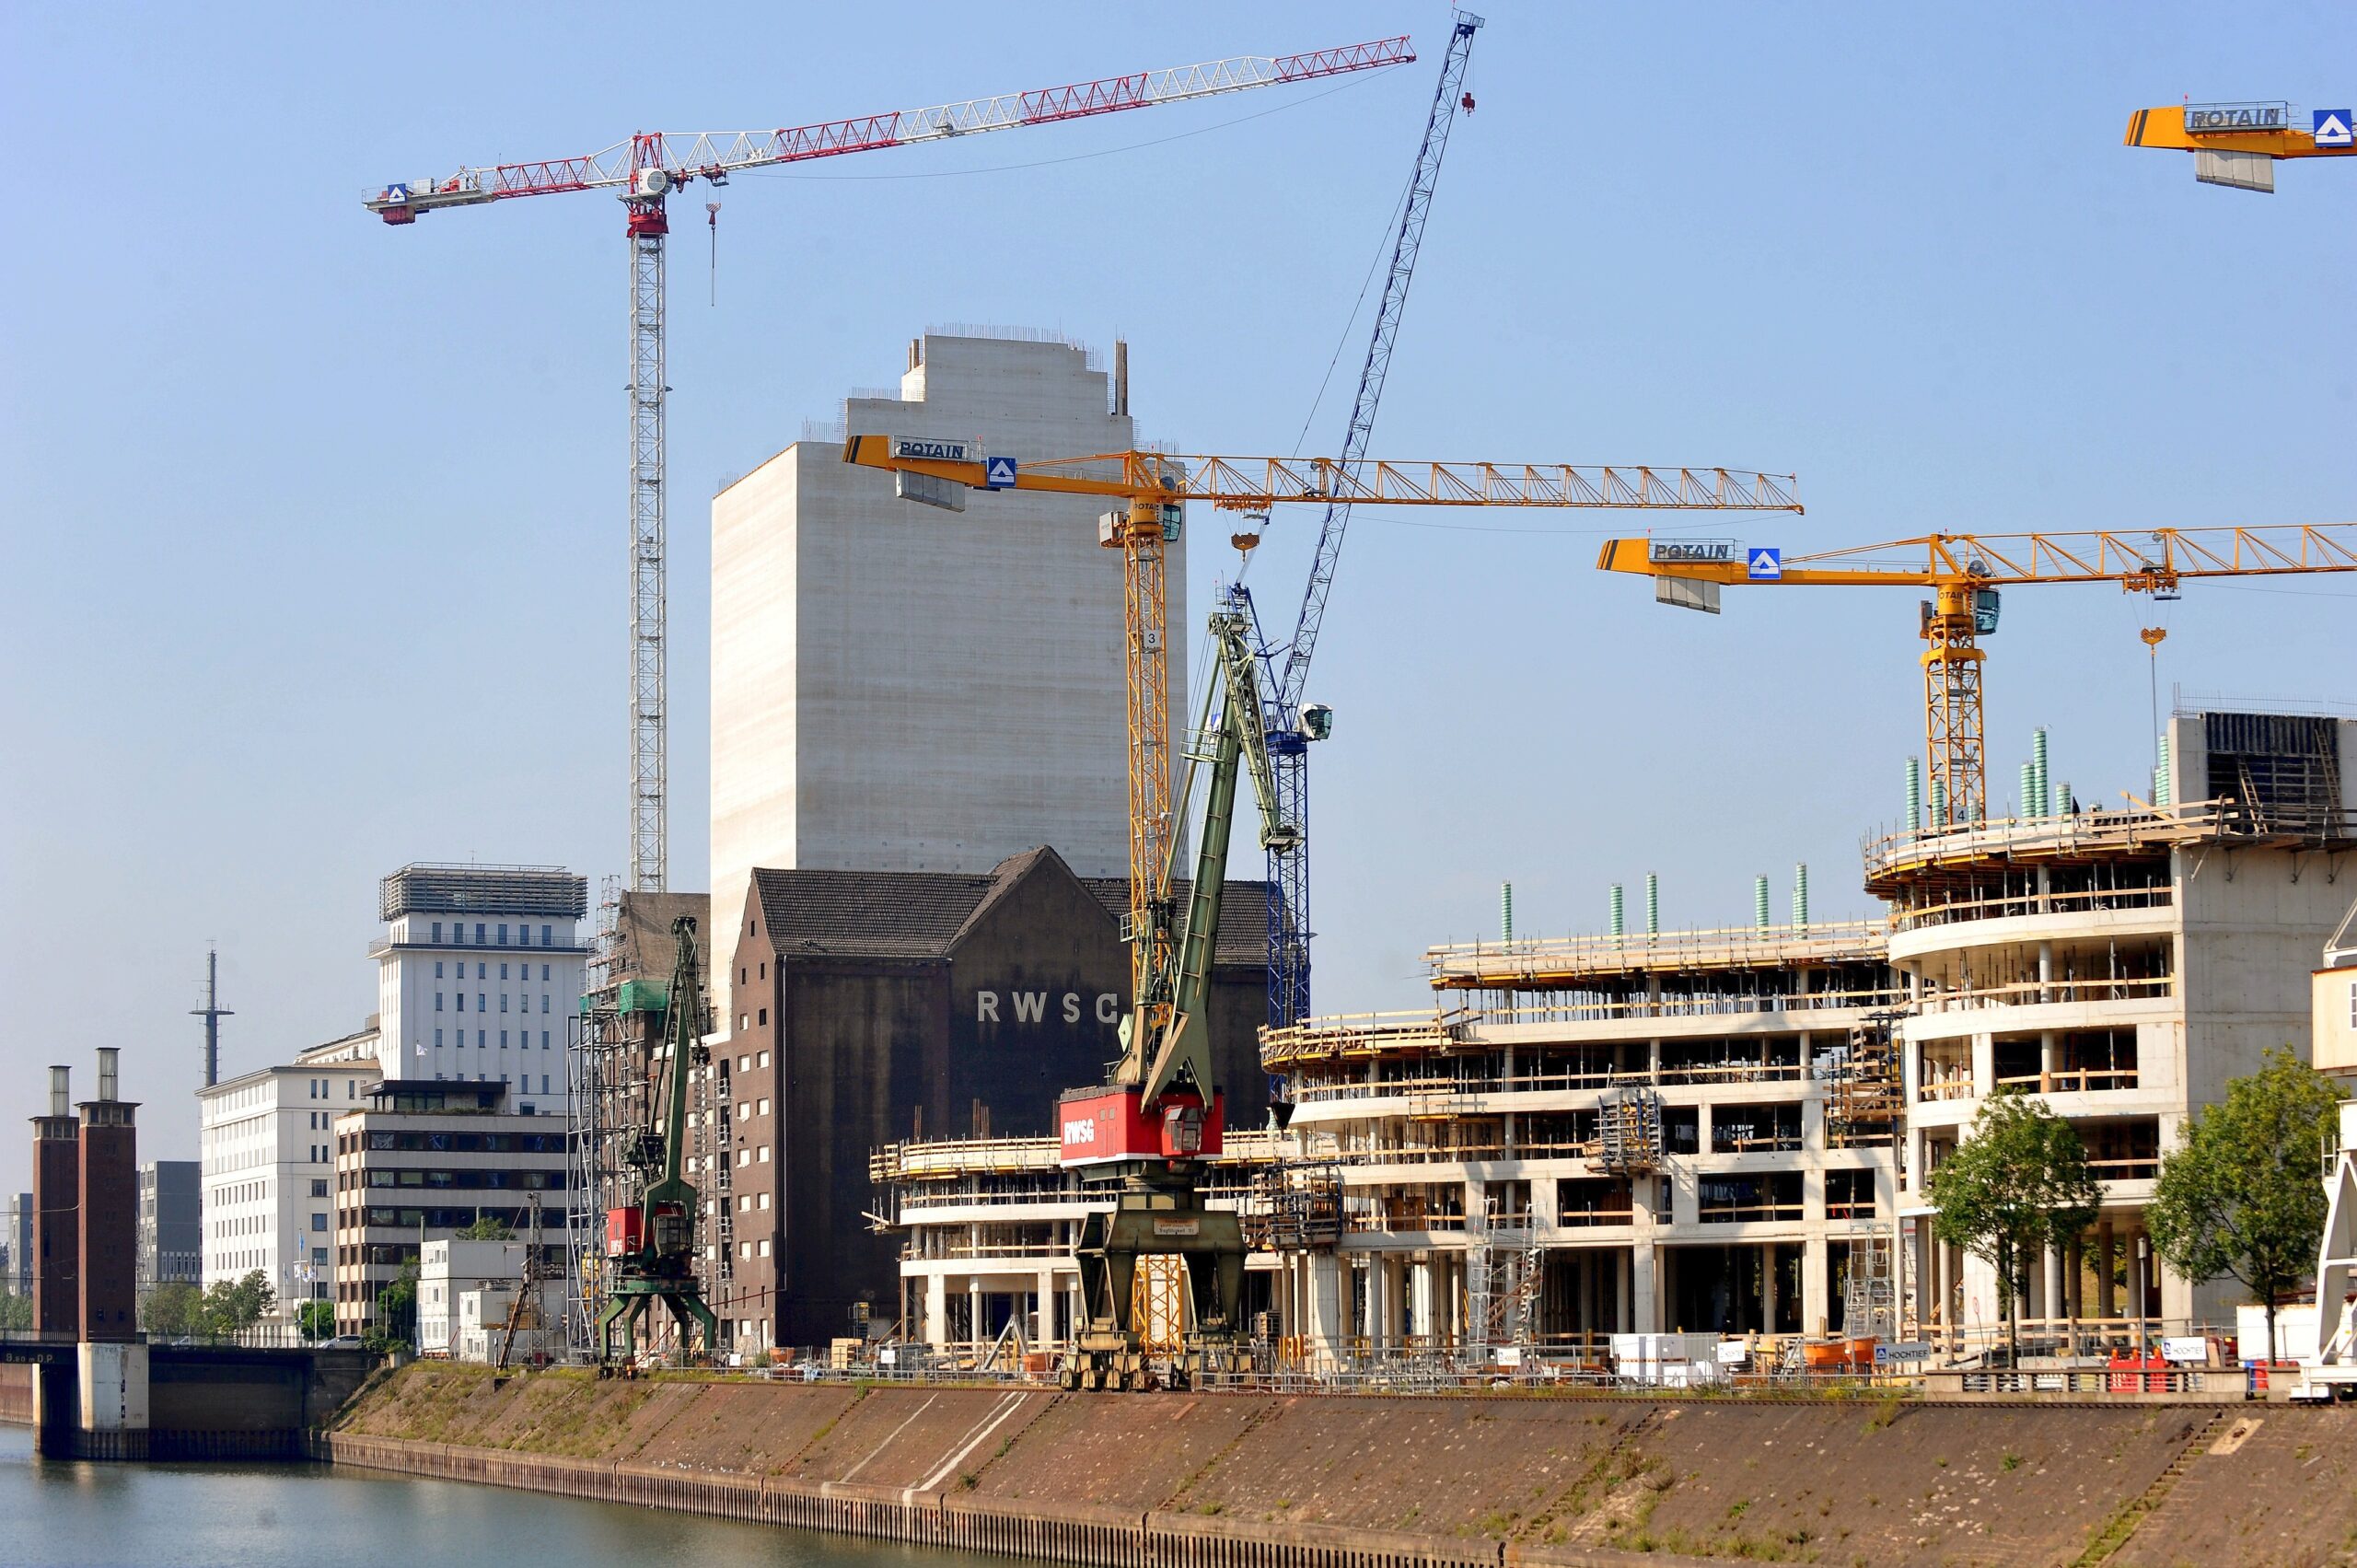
(315,527)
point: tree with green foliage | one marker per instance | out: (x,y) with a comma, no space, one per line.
(233,1306)
(488,1227)
(173,1309)
(2239,1195)
(396,1323)
(2017,1185)
(15,1311)
(317,1319)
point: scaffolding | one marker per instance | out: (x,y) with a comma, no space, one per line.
(1865,1096)
(1628,1132)
(713,1144)
(1501,1284)
(1294,1208)
(1870,1296)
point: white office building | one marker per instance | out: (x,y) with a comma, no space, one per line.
(267,1165)
(479,968)
(900,688)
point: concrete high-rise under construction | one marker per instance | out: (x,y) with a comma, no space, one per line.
(900,688)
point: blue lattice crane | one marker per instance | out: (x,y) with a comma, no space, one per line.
(1290,725)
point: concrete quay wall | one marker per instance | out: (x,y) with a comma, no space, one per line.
(1324,1482)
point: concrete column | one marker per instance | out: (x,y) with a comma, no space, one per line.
(2107,1256)
(1767,1287)
(937,1309)
(1324,1273)
(1816,1288)
(1624,1320)
(1043,1321)
(1643,1296)
(974,1329)
(1984,1066)
(2055,1305)
(1507,1082)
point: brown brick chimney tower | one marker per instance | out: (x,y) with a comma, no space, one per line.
(110,1211)
(57,1209)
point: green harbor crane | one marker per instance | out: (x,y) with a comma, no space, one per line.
(650,1245)
(1160,1111)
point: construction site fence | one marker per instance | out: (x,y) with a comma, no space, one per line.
(1473,1372)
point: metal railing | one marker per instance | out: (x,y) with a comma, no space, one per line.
(2032,993)
(1924,917)
(1774,946)
(1512,1008)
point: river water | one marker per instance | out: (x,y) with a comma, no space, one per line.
(64,1515)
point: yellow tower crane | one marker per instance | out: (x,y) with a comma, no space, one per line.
(1152,489)
(1964,572)
(2238,144)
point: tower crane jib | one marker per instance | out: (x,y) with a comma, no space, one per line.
(644,170)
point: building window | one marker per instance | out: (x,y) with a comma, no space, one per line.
(319,1221)
(502,996)
(480,1046)
(544,1039)
(764,1109)
(437,1002)
(764,1248)
(765,1154)
(544,1001)
(503,971)
(437,968)
(523,936)
(765,1059)
(502,1039)
(481,971)
(482,1003)
(503,933)
(544,1083)
(462,1001)
(544,940)
(437,936)
(437,1040)
(478,931)
(762,1017)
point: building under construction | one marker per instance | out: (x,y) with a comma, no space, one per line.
(1728,1130)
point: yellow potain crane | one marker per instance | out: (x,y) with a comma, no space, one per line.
(1964,572)
(2238,144)
(1152,489)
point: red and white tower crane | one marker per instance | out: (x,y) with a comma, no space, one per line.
(645,171)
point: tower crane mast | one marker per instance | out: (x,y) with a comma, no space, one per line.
(647,167)
(1285,667)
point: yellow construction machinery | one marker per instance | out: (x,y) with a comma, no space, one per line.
(2238,144)
(1965,573)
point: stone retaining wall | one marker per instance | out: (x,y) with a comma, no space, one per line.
(1171,1481)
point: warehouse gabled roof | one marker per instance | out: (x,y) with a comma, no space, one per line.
(923,915)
